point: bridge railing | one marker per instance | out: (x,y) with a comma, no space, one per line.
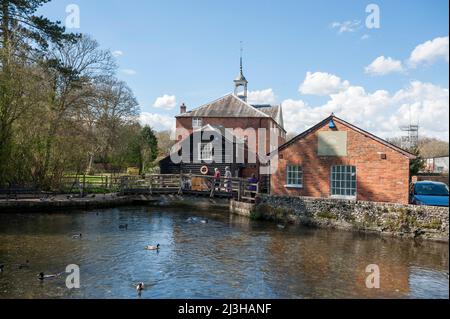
(238,188)
(81,185)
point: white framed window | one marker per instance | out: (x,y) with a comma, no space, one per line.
(196,122)
(294,176)
(343,181)
(205,151)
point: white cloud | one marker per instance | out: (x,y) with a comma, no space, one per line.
(320,83)
(429,105)
(346,26)
(380,112)
(166,101)
(261,97)
(430,51)
(128,71)
(117,53)
(298,116)
(382,66)
(158,122)
(365,37)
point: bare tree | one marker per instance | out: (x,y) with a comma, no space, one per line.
(165,143)
(432,147)
(110,107)
(72,68)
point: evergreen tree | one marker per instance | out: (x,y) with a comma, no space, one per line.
(150,142)
(23,36)
(417,164)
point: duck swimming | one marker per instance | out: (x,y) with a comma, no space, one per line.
(152,247)
(43,276)
(196,219)
(77,236)
(140,287)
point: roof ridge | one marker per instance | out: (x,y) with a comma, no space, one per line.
(249,105)
(218,99)
(231,95)
(353,127)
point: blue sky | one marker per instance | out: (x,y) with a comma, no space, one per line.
(189,51)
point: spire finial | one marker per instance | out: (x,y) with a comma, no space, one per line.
(241,55)
(240,83)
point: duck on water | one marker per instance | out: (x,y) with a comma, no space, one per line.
(196,219)
(151,247)
(43,276)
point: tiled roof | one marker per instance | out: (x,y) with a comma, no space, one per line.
(227,106)
(232,106)
(274,111)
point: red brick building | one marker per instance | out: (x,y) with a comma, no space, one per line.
(231,111)
(337,159)
(234,112)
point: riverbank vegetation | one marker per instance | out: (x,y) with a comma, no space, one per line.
(62,108)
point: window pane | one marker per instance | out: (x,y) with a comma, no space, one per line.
(343,180)
(293,175)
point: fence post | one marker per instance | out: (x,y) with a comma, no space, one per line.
(213,185)
(180,191)
(121,185)
(83,185)
(240,190)
(151,184)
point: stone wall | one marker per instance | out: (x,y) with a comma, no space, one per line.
(241,208)
(425,222)
(63,202)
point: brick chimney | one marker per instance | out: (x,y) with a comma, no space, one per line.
(182,108)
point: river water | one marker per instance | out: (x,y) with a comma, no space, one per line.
(228,257)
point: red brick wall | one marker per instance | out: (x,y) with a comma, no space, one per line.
(377,179)
(233,122)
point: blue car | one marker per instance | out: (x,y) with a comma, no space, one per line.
(429,193)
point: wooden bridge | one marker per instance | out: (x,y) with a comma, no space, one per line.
(189,184)
(154,184)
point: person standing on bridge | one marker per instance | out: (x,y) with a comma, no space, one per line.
(228,177)
(217,179)
(252,185)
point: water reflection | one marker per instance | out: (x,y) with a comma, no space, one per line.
(229,257)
